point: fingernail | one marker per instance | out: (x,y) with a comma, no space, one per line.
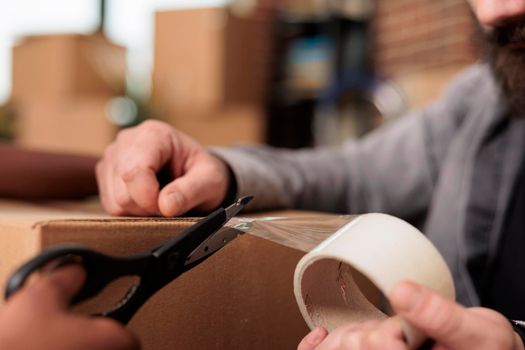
(175,201)
(405,296)
(315,336)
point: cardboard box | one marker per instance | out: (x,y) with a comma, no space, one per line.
(61,88)
(208,58)
(77,125)
(226,127)
(209,74)
(240,298)
(59,66)
(189,59)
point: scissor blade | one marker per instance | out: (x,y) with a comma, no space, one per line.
(221,237)
(212,244)
(236,207)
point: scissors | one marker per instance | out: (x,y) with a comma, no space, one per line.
(155,268)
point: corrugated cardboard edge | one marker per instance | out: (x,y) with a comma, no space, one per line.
(62,227)
(68,230)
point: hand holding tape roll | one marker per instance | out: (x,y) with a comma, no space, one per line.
(346,277)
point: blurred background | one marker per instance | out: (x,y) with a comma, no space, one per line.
(289,73)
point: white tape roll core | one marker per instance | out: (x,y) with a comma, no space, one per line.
(346,277)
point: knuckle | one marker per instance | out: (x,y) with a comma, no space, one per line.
(380,340)
(123,199)
(439,317)
(216,181)
(39,288)
(374,339)
(155,126)
(115,210)
(501,332)
(217,178)
(348,328)
(350,340)
(150,123)
(129,172)
(110,207)
(164,138)
(123,135)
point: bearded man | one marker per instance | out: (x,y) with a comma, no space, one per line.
(458,163)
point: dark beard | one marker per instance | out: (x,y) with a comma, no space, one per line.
(504,49)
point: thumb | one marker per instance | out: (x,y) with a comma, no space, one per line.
(439,318)
(202,187)
(56,288)
(313,339)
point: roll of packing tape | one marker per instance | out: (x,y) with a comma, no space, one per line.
(345,278)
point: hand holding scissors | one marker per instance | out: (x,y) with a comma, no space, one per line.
(155,268)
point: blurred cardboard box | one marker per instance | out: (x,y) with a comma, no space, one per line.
(77,125)
(248,55)
(208,65)
(59,66)
(188,59)
(206,58)
(226,127)
(61,87)
(240,298)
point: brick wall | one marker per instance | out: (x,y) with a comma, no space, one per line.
(422,44)
(419,34)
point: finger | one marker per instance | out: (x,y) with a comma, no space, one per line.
(56,288)
(124,200)
(202,187)
(313,339)
(142,189)
(141,160)
(439,318)
(387,335)
(105,178)
(390,327)
(371,335)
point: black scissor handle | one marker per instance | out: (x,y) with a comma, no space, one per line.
(155,268)
(100,269)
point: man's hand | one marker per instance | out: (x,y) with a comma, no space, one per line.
(451,325)
(37,317)
(380,335)
(127,173)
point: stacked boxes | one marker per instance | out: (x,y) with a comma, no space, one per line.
(209,74)
(61,86)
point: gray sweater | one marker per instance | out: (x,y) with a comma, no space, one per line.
(422,166)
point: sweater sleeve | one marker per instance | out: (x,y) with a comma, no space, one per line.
(392,170)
